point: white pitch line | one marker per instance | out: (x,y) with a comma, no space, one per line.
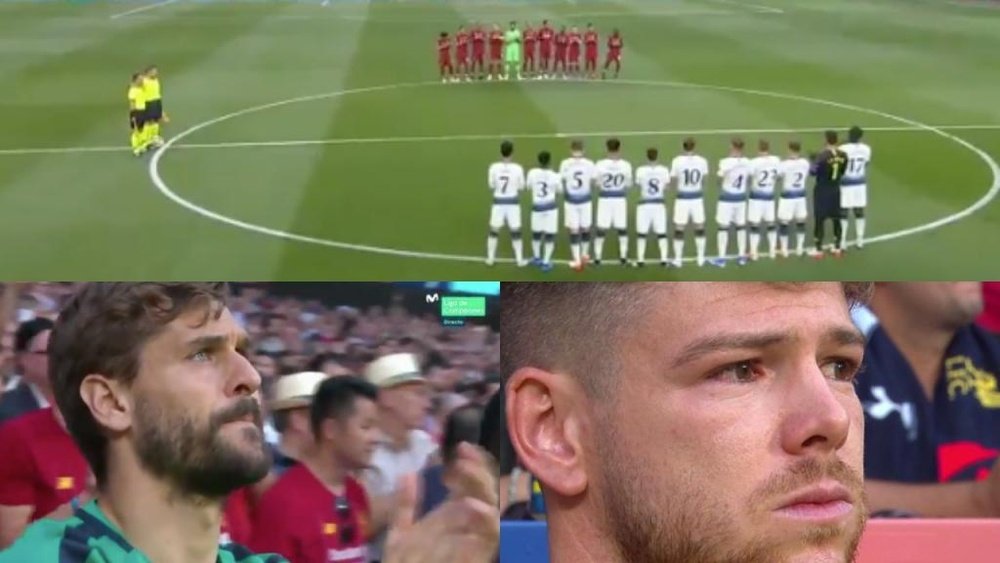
(487,137)
(756,7)
(142,9)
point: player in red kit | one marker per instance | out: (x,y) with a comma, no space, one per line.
(545,36)
(575,41)
(615,45)
(478,51)
(562,44)
(462,53)
(444,57)
(530,42)
(496,50)
(590,39)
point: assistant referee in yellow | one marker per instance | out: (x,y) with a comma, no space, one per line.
(154,104)
(137,115)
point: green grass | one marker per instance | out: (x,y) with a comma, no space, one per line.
(347,173)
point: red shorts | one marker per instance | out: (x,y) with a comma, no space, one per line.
(561,55)
(614,56)
(477,55)
(494,55)
(574,54)
(444,61)
(462,56)
(546,51)
(591,55)
(529,53)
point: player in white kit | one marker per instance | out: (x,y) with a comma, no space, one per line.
(614,178)
(792,206)
(690,169)
(854,184)
(760,214)
(653,180)
(577,173)
(545,184)
(506,180)
(731,213)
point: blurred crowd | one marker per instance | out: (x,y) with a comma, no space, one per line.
(432,382)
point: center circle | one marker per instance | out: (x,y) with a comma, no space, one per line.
(164,189)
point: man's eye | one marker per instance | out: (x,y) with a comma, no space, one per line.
(201,356)
(739,372)
(841,369)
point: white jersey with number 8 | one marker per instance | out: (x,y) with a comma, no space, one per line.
(651,214)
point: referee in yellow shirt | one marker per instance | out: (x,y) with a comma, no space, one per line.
(137,115)
(154,104)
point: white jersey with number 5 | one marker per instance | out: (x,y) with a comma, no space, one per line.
(651,215)
(765,175)
(690,170)
(732,208)
(854,184)
(544,184)
(506,180)
(614,178)
(792,201)
(577,173)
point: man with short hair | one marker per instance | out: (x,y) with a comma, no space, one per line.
(932,409)
(156,389)
(31,342)
(828,167)
(689,421)
(318,511)
(505,179)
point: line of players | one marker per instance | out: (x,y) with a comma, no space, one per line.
(546,53)
(747,198)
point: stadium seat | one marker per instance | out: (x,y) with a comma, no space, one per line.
(904,540)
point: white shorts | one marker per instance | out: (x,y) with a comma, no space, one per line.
(545,221)
(508,214)
(792,209)
(579,216)
(729,213)
(689,211)
(760,211)
(853,196)
(612,213)
(651,217)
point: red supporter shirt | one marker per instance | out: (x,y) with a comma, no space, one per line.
(590,38)
(296,517)
(42,466)
(237,526)
(990,319)
(462,45)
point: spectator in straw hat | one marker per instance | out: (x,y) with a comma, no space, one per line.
(403,448)
(291,397)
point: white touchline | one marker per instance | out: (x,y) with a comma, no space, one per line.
(488,137)
(142,9)
(161,185)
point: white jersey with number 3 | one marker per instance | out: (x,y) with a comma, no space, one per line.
(544,184)
(506,181)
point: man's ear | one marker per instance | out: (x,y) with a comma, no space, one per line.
(544,419)
(111,403)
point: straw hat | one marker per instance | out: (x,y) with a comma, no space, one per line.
(295,390)
(393,370)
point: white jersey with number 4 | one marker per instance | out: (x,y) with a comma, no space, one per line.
(794,173)
(651,215)
(732,208)
(577,173)
(764,170)
(545,185)
(614,178)
(854,184)
(506,180)
(690,170)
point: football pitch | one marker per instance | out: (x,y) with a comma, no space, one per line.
(315,141)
